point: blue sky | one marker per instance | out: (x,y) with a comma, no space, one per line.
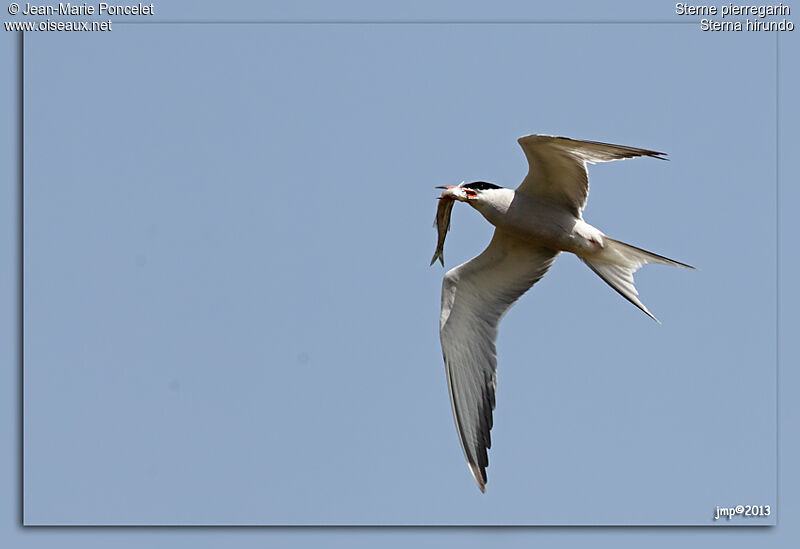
(229,317)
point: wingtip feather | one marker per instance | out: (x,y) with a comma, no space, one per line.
(479,474)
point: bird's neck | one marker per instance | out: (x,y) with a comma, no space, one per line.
(493,206)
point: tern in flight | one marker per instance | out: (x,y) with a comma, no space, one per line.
(533,224)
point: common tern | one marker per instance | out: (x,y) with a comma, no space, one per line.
(533,224)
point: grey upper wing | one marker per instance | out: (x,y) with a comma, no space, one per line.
(475,296)
(557,167)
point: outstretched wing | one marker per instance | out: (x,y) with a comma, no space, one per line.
(475,296)
(557,167)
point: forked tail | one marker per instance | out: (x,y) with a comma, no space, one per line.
(617,262)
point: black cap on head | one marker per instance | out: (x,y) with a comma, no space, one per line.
(480,186)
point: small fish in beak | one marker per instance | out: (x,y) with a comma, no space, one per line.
(442,221)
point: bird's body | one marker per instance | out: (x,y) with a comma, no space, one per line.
(538,222)
(533,224)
